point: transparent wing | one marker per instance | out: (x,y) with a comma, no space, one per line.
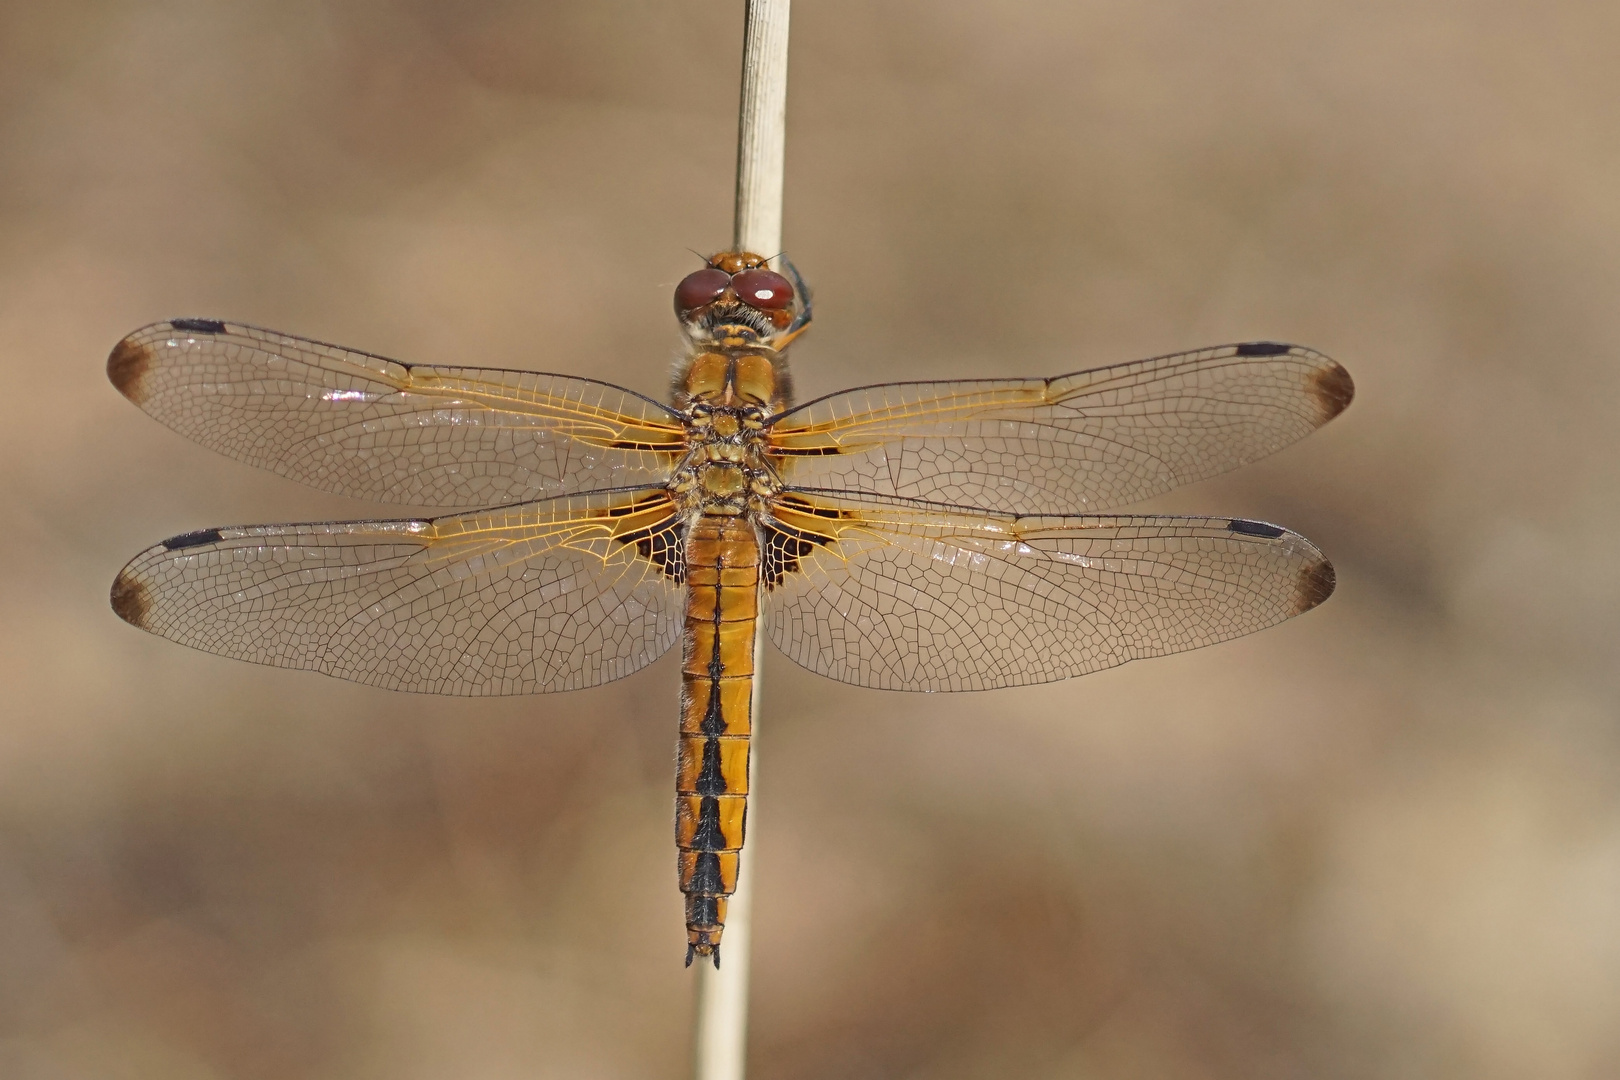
(1089,441)
(371,427)
(552,595)
(902,595)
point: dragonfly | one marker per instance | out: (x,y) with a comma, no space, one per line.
(925,536)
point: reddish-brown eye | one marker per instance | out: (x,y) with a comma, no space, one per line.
(763,289)
(700,287)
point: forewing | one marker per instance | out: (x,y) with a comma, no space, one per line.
(901,595)
(1076,443)
(551,595)
(371,427)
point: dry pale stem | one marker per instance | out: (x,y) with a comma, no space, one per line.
(722,1013)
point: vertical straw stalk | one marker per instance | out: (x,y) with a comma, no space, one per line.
(762,128)
(721,1034)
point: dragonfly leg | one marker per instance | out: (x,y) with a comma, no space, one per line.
(798,325)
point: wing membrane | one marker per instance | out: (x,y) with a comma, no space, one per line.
(552,595)
(903,595)
(1088,441)
(371,427)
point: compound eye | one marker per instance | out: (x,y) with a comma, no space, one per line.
(763,289)
(700,287)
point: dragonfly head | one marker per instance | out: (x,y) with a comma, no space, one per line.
(735,300)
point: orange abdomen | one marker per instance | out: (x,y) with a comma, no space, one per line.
(711,781)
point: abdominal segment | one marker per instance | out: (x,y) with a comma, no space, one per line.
(711,781)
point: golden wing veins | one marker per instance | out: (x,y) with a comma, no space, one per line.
(374,428)
(1090,441)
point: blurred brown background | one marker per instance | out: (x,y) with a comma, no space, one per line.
(1380,841)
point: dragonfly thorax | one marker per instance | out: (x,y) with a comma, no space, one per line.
(733,378)
(725,470)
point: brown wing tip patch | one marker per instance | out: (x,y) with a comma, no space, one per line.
(1333,390)
(1316,583)
(129,599)
(127,365)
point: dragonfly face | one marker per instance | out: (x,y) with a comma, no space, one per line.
(734,301)
(910,536)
